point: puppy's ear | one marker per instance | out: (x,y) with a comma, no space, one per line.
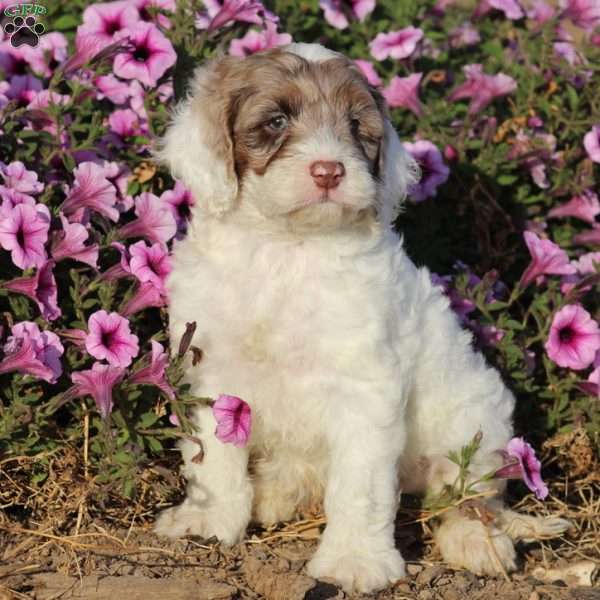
(398,170)
(198,145)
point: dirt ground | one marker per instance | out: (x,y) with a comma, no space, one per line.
(108,563)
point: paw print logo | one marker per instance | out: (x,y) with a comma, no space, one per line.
(24,31)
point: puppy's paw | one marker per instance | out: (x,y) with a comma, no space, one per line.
(470,544)
(358,570)
(227,523)
(271,506)
(528,528)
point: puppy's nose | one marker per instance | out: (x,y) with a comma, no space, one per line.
(327,173)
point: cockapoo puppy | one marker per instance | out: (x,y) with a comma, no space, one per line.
(360,378)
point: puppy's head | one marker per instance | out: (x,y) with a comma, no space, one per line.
(294,135)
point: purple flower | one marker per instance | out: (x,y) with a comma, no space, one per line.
(523,465)
(511,8)
(110,338)
(396,44)
(41,288)
(22,357)
(591,236)
(585,207)
(23,232)
(591,142)
(155,220)
(22,89)
(18,178)
(482,88)
(464,35)
(433,170)
(108,86)
(403,91)
(583,13)
(335,11)
(97,382)
(540,12)
(587,263)
(368,70)
(150,263)
(50,51)
(69,243)
(154,372)
(126,123)
(92,190)
(103,21)
(181,201)
(574,338)
(546,259)
(256,41)
(147,295)
(234,420)
(217,15)
(150,54)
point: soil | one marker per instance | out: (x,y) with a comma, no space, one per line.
(110,563)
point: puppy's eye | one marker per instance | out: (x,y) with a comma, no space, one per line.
(354,126)
(278,123)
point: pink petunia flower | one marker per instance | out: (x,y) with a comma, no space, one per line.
(591,143)
(234,420)
(147,295)
(336,16)
(110,339)
(22,89)
(523,465)
(368,70)
(24,232)
(464,35)
(154,372)
(160,19)
(47,55)
(97,382)
(155,220)
(126,123)
(482,88)
(585,207)
(403,91)
(433,170)
(511,8)
(218,15)
(256,41)
(22,357)
(547,258)
(587,263)
(18,178)
(103,20)
(41,288)
(69,243)
(574,338)
(540,12)
(91,190)
(396,44)
(148,56)
(181,201)
(150,263)
(591,236)
(583,13)
(108,86)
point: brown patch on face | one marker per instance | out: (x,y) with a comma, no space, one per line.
(276,99)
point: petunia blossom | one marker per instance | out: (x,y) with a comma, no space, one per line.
(591,236)
(234,420)
(24,232)
(181,201)
(337,16)
(103,20)
(146,295)
(574,338)
(17,177)
(97,382)
(547,258)
(154,372)
(591,143)
(396,44)
(523,464)
(511,8)
(583,13)
(148,55)
(482,88)
(368,70)
(256,41)
(91,190)
(110,339)
(155,220)
(585,206)
(403,92)
(22,358)
(69,243)
(433,170)
(150,263)
(464,35)
(219,14)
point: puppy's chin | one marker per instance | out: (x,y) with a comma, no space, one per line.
(326,217)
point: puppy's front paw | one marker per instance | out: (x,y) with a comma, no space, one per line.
(227,523)
(358,570)
(529,529)
(470,544)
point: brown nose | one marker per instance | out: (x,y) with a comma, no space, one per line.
(327,174)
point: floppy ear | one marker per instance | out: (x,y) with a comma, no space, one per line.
(198,145)
(398,170)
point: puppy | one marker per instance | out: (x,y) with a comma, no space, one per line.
(359,376)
